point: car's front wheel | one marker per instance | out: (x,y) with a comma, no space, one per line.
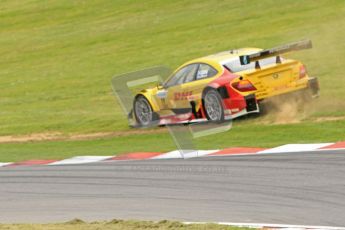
(143,111)
(213,105)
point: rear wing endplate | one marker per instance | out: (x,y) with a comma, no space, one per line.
(295,46)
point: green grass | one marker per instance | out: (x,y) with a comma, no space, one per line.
(117,225)
(244,135)
(58,58)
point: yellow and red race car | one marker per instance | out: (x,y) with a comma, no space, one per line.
(223,86)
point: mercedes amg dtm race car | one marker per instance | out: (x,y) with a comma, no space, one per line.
(223,86)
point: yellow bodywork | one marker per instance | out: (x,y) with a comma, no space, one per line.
(270,80)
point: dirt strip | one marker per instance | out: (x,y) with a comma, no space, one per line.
(57,136)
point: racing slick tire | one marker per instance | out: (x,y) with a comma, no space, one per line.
(143,113)
(213,105)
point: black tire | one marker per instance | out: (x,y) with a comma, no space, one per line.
(213,105)
(143,112)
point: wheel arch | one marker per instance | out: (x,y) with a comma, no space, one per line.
(207,89)
(148,96)
(155,115)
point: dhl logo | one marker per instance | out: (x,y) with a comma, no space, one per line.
(182,95)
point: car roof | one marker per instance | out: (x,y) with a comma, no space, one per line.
(225,56)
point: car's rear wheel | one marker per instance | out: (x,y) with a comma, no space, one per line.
(213,105)
(143,111)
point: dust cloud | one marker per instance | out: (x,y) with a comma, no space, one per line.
(287,109)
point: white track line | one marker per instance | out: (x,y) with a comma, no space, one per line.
(170,155)
(199,153)
(271,226)
(233,154)
(81,160)
(2,164)
(290,148)
(184,154)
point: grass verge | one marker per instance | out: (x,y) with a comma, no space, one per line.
(117,224)
(57,58)
(243,134)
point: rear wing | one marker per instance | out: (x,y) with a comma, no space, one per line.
(295,46)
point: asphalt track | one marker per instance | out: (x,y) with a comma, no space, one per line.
(295,188)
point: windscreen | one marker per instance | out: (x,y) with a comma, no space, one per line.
(235,65)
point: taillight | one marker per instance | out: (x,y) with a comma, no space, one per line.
(302,71)
(243,86)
